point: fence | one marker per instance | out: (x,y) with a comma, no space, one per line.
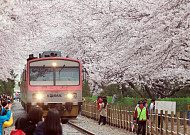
(122,117)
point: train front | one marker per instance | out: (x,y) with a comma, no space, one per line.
(55,82)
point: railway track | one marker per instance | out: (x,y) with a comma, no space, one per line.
(84,131)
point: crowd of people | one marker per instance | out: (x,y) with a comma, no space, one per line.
(33,123)
(17,96)
(6,118)
(141,114)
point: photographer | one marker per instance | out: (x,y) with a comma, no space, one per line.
(99,101)
(5,117)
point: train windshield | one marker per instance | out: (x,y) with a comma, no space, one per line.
(67,76)
(41,76)
(53,73)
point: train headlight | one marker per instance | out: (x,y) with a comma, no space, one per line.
(70,96)
(39,96)
(54,64)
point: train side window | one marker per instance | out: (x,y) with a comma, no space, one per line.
(24,75)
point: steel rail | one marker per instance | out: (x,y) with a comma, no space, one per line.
(80,129)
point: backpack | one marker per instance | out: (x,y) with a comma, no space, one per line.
(17,132)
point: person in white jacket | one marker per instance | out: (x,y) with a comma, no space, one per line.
(152,106)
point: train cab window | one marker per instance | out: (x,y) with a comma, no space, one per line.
(54,72)
(41,76)
(67,76)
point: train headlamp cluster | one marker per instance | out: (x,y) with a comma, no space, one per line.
(40,96)
(37,96)
(71,95)
(54,64)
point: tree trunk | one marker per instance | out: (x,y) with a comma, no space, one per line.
(148,90)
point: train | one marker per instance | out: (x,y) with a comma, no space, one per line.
(52,81)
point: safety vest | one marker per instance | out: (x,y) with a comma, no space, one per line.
(141,115)
(83,99)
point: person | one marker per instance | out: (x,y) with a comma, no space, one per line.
(4,112)
(103,111)
(14,96)
(83,99)
(141,113)
(7,123)
(80,109)
(137,105)
(134,125)
(51,125)
(4,104)
(4,117)
(152,106)
(145,104)
(19,97)
(28,124)
(99,101)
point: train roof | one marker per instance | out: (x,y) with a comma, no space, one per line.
(49,55)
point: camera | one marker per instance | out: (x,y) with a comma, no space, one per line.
(8,101)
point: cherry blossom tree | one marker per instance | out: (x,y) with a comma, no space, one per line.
(143,42)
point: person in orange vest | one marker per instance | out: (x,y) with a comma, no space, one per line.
(141,116)
(99,101)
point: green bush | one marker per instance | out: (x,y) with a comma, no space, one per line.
(85,89)
(181,103)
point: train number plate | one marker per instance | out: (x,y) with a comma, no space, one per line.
(54,95)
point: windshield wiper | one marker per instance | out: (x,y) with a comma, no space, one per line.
(61,68)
